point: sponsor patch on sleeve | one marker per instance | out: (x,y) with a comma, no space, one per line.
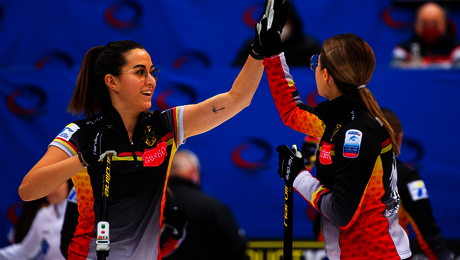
(68,131)
(352,143)
(417,190)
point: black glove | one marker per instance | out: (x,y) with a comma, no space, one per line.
(290,163)
(174,223)
(106,141)
(271,26)
(256,50)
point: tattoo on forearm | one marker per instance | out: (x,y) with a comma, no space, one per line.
(215,109)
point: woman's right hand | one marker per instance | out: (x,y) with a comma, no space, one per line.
(270,27)
(106,141)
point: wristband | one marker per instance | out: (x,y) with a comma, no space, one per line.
(256,56)
(82,161)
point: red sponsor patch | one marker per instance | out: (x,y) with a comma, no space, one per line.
(325,155)
(155,156)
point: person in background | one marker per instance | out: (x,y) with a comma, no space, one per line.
(43,238)
(298,46)
(28,212)
(415,208)
(433,44)
(211,231)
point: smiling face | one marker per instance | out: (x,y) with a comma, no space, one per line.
(131,90)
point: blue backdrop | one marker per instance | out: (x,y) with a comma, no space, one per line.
(193,43)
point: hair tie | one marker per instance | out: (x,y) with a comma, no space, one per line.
(362,86)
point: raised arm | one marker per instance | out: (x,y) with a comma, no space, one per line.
(212,112)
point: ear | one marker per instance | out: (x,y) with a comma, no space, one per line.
(111,81)
(327,77)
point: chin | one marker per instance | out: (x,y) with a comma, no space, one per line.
(146,106)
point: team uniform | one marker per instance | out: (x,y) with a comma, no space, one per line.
(416,211)
(137,185)
(355,188)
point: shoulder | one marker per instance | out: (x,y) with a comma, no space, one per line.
(361,133)
(91,121)
(84,124)
(406,172)
(405,44)
(44,214)
(363,123)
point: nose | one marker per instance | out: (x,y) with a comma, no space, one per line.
(150,80)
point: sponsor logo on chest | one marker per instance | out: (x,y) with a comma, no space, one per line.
(325,154)
(155,156)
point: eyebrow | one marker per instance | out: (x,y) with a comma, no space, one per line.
(142,66)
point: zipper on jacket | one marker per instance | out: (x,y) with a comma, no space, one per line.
(134,154)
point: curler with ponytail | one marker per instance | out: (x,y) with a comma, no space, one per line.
(351,62)
(91,93)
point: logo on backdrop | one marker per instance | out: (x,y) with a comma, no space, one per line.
(123,14)
(175,96)
(252,155)
(12,212)
(27,102)
(398,18)
(252,14)
(56,58)
(192,60)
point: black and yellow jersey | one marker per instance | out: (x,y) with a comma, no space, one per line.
(137,185)
(355,188)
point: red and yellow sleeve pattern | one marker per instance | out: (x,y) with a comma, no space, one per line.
(293,111)
(309,188)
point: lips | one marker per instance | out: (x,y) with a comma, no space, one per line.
(147,93)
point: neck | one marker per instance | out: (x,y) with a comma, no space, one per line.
(334,92)
(129,118)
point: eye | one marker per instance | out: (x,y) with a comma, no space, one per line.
(140,72)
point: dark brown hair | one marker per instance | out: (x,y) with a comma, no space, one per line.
(91,92)
(351,63)
(393,120)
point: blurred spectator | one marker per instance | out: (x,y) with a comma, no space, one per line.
(42,239)
(174,223)
(433,44)
(28,212)
(415,208)
(297,46)
(212,232)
